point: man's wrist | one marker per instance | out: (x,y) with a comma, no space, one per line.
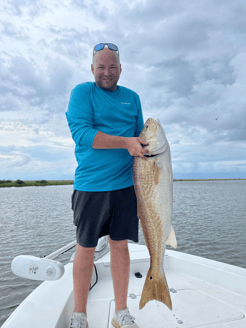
(124,142)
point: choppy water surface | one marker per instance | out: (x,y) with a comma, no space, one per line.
(208,218)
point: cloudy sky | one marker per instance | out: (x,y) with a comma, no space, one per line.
(185,59)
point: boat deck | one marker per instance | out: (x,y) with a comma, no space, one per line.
(196,303)
(204,293)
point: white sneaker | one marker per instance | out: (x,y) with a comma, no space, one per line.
(79,320)
(123,319)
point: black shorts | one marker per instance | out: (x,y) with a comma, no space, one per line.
(98,214)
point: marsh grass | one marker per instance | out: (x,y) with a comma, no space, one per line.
(32,183)
(205,179)
(38,183)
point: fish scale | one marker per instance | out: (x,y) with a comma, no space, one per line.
(153,183)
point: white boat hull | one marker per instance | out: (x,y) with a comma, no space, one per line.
(206,293)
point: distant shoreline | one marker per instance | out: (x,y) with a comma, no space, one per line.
(43,183)
(35,183)
(204,179)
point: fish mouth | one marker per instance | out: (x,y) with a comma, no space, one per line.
(160,150)
(151,155)
(154,155)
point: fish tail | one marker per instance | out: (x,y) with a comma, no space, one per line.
(155,288)
(171,240)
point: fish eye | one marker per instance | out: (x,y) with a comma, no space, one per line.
(146,126)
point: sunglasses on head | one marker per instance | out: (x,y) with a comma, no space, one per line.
(100,46)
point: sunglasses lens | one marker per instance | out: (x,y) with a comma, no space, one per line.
(112,46)
(99,46)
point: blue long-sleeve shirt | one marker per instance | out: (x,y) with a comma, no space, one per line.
(118,113)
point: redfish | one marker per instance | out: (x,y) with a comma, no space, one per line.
(153,184)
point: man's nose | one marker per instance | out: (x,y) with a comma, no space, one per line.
(106,71)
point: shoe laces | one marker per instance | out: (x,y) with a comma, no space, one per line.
(77,321)
(125,317)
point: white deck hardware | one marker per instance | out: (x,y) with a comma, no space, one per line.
(35,268)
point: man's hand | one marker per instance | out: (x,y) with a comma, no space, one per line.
(133,145)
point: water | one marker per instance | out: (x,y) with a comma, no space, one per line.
(208,218)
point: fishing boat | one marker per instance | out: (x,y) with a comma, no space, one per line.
(204,292)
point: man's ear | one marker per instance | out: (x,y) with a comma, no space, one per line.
(92,69)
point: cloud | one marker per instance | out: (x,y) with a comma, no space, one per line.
(101,13)
(20,7)
(186,60)
(25,84)
(10,30)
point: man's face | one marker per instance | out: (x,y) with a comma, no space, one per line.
(106,70)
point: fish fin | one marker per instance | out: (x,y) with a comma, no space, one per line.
(157,173)
(155,288)
(171,240)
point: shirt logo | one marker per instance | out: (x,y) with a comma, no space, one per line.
(126,103)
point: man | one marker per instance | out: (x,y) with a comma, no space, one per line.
(103,119)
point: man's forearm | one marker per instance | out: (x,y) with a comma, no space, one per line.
(103,140)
